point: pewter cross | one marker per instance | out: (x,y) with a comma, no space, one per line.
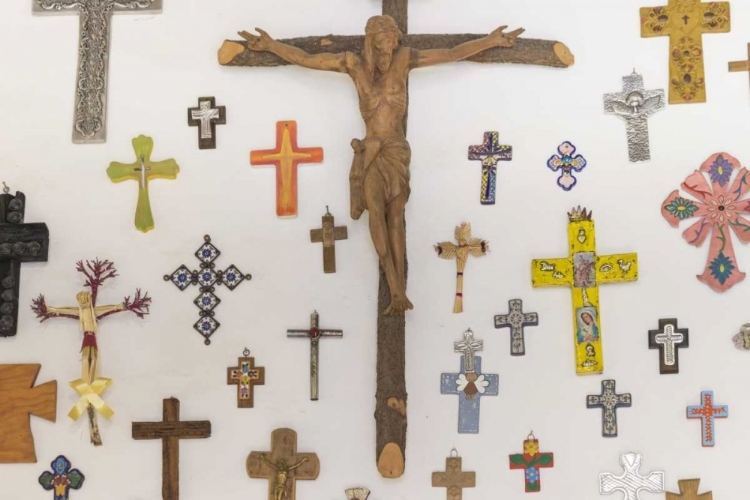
(609,401)
(206,116)
(631,482)
(468,346)
(668,338)
(90,122)
(314,334)
(516,320)
(634,105)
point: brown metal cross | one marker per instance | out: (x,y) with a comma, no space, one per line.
(329,234)
(454,479)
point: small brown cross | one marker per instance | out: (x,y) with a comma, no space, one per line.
(246,376)
(454,479)
(329,235)
(741,66)
(689,491)
(170,430)
(283,466)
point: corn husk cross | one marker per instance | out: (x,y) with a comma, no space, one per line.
(467,245)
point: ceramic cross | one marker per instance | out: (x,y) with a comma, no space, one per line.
(466,246)
(246,376)
(685,22)
(286,157)
(489,153)
(314,334)
(90,121)
(454,479)
(668,339)
(19,400)
(143,170)
(634,105)
(530,461)
(283,466)
(741,66)
(584,271)
(516,320)
(19,242)
(689,491)
(170,430)
(207,278)
(62,479)
(719,209)
(329,234)
(741,339)
(609,401)
(707,411)
(566,160)
(631,482)
(357,493)
(88,314)
(206,116)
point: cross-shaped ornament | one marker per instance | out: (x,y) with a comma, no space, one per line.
(170,430)
(246,376)
(329,234)
(62,479)
(90,121)
(314,334)
(516,320)
(143,170)
(741,66)
(609,401)
(19,400)
(634,105)
(685,22)
(530,461)
(631,482)
(465,246)
(206,116)
(689,491)
(286,157)
(707,411)
(283,466)
(454,479)
(668,339)
(489,153)
(19,242)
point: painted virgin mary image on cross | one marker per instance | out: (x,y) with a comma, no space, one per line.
(587,330)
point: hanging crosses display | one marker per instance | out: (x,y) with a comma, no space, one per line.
(246,376)
(530,461)
(466,246)
(668,339)
(516,320)
(489,153)
(631,482)
(206,116)
(719,208)
(90,387)
(566,160)
(609,401)
(62,479)
(314,334)
(584,271)
(143,170)
(689,491)
(454,479)
(207,278)
(329,234)
(707,412)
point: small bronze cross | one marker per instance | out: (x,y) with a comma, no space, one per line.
(329,235)
(454,479)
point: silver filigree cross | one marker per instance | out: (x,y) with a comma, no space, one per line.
(631,482)
(468,346)
(90,121)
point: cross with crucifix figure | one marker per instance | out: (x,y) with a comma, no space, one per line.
(454,479)
(668,339)
(631,482)
(707,411)
(283,466)
(19,242)
(90,121)
(609,401)
(329,234)
(516,320)
(170,430)
(314,334)
(379,177)
(246,376)
(741,66)
(206,116)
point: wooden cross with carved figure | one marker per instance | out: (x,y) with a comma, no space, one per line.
(584,271)
(329,234)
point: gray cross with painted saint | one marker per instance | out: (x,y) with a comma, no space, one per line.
(314,334)
(516,320)
(609,401)
(95,17)
(635,105)
(631,482)
(668,339)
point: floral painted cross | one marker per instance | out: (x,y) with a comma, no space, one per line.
(718,207)
(531,461)
(62,479)
(566,160)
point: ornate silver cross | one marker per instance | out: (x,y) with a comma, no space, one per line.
(631,482)
(468,346)
(314,334)
(609,401)
(90,121)
(668,339)
(516,320)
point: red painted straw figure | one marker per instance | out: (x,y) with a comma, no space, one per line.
(90,387)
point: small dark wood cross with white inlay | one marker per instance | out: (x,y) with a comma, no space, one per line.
(668,339)
(206,116)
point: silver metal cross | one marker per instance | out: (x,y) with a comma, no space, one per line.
(90,121)
(631,482)
(468,346)
(634,105)
(314,334)
(516,320)
(205,114)
(668,339)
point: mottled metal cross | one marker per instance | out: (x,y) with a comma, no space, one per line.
(609,401)
(516,320)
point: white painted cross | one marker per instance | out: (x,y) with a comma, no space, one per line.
(90,121)
(631,482)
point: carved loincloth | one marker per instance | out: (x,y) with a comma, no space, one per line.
(388,160)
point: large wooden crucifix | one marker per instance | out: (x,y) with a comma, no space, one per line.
(379,177)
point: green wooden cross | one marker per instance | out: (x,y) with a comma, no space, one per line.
(143,170)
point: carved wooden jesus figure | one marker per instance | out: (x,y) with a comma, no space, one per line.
(379,178)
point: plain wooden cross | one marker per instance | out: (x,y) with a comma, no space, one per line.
(90,122)
(516,320)
(689,491)
(631,482)
(609,401)
(741,66)
(329,234)
(170,430)
(707,411)
(685,22)
(454,479)
(314,334)
(668,339)
(283,466)
(19,242)
(246,376)
(19,399)
(206,116)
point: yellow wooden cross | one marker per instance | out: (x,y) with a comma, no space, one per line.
(685,21)
(584,271)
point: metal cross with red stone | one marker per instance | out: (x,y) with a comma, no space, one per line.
(314,334)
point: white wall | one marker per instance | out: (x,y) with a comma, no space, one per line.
(161,64)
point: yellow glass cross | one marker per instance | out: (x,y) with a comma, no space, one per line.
(584,271)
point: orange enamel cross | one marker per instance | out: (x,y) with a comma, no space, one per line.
(286,157)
